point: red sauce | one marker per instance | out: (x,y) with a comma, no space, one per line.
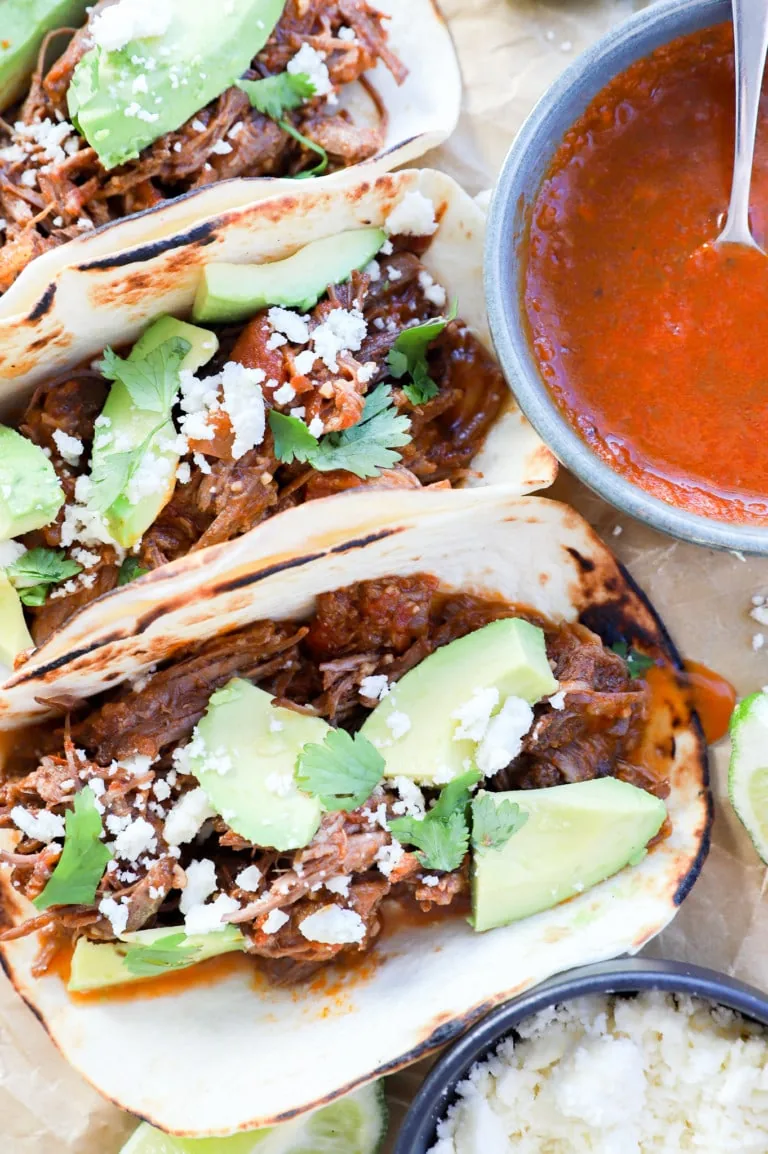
(713,698)
(654,347)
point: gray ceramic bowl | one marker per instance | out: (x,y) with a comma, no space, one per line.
(629,976)
(524,168)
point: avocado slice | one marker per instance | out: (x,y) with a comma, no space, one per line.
(129,426)
(97,966)
(25,24)
(123,100)
(30,493)
(244,753)
(507,655)
(575,836)
(14,635)
(234,292)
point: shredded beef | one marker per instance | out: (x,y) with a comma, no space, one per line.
(225,498)
(77,189)
(375,627)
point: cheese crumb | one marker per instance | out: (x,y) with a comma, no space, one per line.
(474,715)
(187,817)
(130,20)
(116,914)
(208,919)
(201,883)
(557,700)
(342,330)
(290,324)
(44,826)
(398,723)
(388,856)
(137,838)
(414,215)
(333,925)
(338,885)
(312,63)
(503,738)
(249,879)
(70,448)
(375,687)
(274,921)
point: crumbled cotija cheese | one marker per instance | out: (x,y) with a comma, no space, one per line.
(44,826)
(312,64)
(603,1075)
(187,817)
(130,20)
(70,448)
(334,926)
(503,739)
(413,215)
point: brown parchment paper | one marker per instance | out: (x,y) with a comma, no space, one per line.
(510,51)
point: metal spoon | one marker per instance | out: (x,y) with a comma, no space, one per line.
(750,31)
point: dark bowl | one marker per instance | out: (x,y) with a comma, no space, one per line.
(627,976)
(523,171)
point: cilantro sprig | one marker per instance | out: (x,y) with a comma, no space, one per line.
(637,663)
(130,570)
(364,449)
(152,381)
(342,771)
(493,825)
(83,860)
(112,472)
(274,96)
(441,837)
(408,356)
(172,952)
(37,570)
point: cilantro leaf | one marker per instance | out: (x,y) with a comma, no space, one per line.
(342,771)
(293,440)
(274,94)
(169,953)
(36,570)
(637,663)
(130,570)
(83,860)
(151,381)
(442,844)
(408,355)
(113,471)
(369,446)
(493,825)
(364,449)
(306,143)
(442,835)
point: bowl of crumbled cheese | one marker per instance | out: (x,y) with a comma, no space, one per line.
(622,1057)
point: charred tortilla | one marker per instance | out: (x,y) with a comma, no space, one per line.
(469,550)
(463,430)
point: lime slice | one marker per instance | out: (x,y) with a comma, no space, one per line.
(352,1125)
(748,770)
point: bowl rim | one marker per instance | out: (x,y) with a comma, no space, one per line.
(638,34)
(627,975)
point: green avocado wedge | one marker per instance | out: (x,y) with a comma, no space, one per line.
(234,292)
(574,836)
(123,100)
(145,954)
(24,25)
(14,635)
(30,493)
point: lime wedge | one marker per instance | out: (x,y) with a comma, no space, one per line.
(748,770)
(352,1125)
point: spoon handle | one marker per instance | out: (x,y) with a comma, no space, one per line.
(750,30)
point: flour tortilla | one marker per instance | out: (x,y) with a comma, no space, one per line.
(421,113)
(180,1060)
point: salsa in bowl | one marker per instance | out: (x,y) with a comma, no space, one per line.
(634,343)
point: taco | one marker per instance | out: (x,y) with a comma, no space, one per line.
(434,684)
(112,109)
(198,433)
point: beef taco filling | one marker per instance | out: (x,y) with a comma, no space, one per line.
(198,434)
(278,789)
(150,99)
